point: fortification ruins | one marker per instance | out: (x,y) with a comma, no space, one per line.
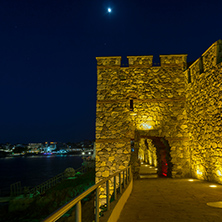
(168,116)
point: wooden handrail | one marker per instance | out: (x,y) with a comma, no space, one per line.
(77,200)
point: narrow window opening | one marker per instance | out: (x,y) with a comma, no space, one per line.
(131,105)
(201,65)
(132,145)
(189,76)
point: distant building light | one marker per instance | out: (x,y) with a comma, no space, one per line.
(212,186)
(191,180)
(83,153)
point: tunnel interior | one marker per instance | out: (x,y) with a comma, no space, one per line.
(155,151)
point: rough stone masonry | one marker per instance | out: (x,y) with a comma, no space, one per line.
(182,105)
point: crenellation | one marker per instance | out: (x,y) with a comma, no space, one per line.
(172,60)
(109,61)
(140,60)
(196,69)
(213,55)
(219,51)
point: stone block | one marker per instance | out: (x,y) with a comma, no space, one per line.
(121,167)
(109,61)
(103,164)
(105,174)
(111,158)
(98,174)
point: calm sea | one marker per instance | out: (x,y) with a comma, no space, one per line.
(34,170)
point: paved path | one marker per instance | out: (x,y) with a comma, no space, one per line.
(172,200)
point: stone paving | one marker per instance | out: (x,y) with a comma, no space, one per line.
(165,199)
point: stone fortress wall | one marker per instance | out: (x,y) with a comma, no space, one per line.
(182,105)
(204,112)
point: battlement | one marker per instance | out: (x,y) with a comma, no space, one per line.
(210,58)
(166,60)
(213,55)
(140,60)
(143,61)
(109,61)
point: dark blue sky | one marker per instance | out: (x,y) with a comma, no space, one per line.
(48,50)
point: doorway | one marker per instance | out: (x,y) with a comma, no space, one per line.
(155,151)
(164,164)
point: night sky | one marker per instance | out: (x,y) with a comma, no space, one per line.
(48,49)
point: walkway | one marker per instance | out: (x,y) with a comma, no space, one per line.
(172,200)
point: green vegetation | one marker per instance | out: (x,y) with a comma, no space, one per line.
(33,209)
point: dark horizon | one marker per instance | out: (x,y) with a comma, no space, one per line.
(48,49)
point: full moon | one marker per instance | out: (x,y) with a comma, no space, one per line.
(109,10)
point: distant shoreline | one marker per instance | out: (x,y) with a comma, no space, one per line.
(76,153)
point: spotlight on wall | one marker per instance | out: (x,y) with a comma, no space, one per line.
(199,172)
(146,126)
(219,173)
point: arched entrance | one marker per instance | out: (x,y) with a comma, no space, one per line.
(155,151)
(164,163)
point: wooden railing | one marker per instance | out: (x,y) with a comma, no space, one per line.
(124,179)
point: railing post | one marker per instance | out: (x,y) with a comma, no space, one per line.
(78,212)
(128,169)
(126,176)
(97,205)
(120,183)
(115,194)
(129,173)
(123,179)
(107,195)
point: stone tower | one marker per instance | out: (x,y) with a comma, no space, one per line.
(168,115)
(139,104)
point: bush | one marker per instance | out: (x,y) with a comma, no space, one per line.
(69,172)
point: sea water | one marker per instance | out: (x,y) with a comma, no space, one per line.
(34,170)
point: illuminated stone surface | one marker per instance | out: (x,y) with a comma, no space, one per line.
(187,115)
(204,106)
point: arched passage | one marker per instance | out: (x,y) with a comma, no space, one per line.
(156,152)
(163,152)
